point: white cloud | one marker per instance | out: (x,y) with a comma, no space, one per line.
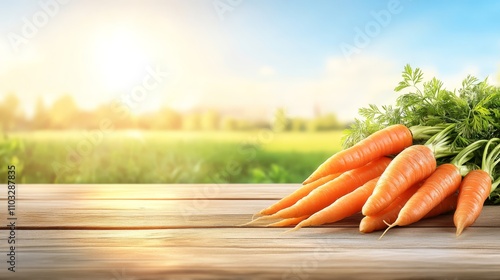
(267,71)
(454,80)
(365,79)
(495,79)
(359,82)
(344,87)
(3,58)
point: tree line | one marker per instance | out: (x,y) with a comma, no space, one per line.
(64,114)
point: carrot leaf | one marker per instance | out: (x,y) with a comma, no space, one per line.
(427,107)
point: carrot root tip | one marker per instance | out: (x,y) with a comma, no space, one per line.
(387,229)
(245,224)
(257,214)
(256,220)
(275,224)
(290,230)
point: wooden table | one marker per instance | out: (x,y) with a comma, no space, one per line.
(126,232)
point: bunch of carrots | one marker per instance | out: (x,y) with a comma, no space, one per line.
(393,183)
(406,170)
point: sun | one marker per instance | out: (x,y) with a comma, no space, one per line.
(120,58)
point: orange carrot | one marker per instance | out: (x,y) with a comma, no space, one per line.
(390,140)
(474,190)
(343,207)
(476,187)
(290,199)
(412,165)
(331,191)
(441,184)
(408,168)
(447,205)
(389,214)
(288,222)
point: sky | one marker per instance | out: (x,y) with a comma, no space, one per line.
(241,56)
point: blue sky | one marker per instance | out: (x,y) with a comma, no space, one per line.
(251,59)
(448,34)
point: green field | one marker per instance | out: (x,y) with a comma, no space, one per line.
(167,156)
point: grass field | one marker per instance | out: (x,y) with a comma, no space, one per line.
(166,157)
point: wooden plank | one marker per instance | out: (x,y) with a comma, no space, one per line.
(315,253)
(151,191)
(264,238)
(188,231)
(131,214)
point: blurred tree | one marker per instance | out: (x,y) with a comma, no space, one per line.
(173,119)
(210,120)
(260,125)
(166,119)
(298,124)
(64,113)
(148,121)
(191,121)
(41,115)
(10,113)
(312,125)
(329,122)
(325,122)
(280,122)
(229,123)
(245,124)
(87,120)
(100,113)
(129,121)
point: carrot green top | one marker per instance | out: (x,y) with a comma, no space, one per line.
(470,113)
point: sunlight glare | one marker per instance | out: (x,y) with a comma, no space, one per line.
(121,59)
(134,134)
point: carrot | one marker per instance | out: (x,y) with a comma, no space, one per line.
(390,140)
(343,207)
(475,188)
(441,184)
(447,205)
(389,214)
(412,165)
(331,191)
(288,222)
(290,199)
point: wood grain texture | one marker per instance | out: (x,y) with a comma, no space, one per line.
(151,214)
(175,236)
(152,191)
